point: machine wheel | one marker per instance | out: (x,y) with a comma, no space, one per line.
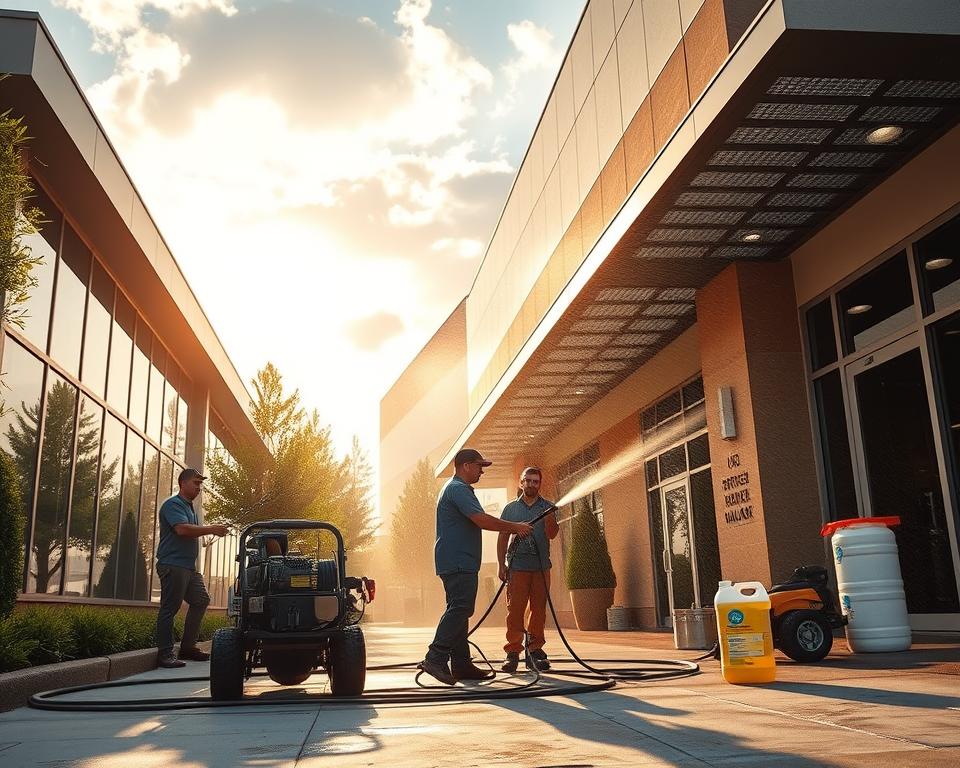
(347,662)
(226,665)
(805,636)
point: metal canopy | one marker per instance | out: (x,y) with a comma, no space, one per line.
(822,118)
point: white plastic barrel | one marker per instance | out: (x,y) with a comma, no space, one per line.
(869,583)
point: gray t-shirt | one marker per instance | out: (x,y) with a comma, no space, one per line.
(458,545)
(524,555)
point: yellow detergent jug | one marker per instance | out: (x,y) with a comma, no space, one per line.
(746,640)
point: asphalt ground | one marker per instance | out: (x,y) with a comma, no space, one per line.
(893,710)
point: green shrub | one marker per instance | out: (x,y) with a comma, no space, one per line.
(97,632)
(588,560)
(51,629)
(15,650)
(11,534)
(141,627)
(210,624)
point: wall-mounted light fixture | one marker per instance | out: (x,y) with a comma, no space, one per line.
(728,424)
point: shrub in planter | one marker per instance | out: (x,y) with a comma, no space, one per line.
(51,629)
(14,650)
(590,576)
(140,627)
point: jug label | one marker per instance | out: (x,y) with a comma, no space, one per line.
(735,617)
(838,551)
(745,645)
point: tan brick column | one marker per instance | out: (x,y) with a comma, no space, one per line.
(764,480)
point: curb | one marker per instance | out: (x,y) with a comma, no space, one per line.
(17,687)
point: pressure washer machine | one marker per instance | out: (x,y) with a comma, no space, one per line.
(803,614)
(292,614)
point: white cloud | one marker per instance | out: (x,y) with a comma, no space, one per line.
(462,247)
(110,20)
(535,52)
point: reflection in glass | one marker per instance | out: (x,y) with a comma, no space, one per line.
(946,334)
(155,401)
(706,545)
(66,331)
(108,516)
(938,265)
(53,490)
(20,398)
(148,517)
(835,447)
(820,335)
(43,245)
(655,510)
(876,304)
(140,376)
(121,343)
(677,531)
(903,478)
(127,558)
(169,429)
(164,492)
(96,340)
(183,411)
(83,498)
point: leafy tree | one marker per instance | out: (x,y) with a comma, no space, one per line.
(127,559)
(17,220)
(357,522)
(412,530)
(300,478)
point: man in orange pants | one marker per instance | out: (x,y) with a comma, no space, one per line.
(528,571)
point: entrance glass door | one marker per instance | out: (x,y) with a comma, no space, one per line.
(898,468)
(677,550)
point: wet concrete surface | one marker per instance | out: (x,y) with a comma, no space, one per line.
(894,710)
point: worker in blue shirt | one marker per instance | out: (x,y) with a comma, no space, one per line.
(180,532)
(460,518)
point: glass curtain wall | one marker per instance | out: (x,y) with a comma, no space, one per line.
(93,423)
(883,352)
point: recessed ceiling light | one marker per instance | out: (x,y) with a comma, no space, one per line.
(578,392)
(885,134)
(531,435)
(859,309)
(751,237)
(940,263)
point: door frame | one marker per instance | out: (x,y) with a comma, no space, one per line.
(915,340)
(666,558)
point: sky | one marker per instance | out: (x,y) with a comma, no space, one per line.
(327,173)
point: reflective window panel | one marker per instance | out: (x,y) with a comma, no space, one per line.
(155,399)
(140,375)
(130,560)
(164,492)
(53,490)
(20,415)
(83,498)
(70,299)
(96,339)
(820,335)
(946,335)
(170,397)
(183,411)
(121,344)
(835,447)
(108,515)
(938,266)
(43,245)
(877,304)
(148,518)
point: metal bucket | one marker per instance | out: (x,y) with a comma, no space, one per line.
(618,618)
(694,628)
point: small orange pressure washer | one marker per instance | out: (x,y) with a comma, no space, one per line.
(803,614)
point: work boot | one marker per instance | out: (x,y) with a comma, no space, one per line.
(466,670)
(510,663)
(193,654)
(540,660)
(438,670)
(169,661)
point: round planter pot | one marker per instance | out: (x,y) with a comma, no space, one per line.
(590,607)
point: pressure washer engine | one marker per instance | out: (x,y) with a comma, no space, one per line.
(292,614)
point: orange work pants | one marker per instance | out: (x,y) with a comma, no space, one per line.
(526,588)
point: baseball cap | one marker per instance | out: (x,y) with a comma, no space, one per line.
(188,474)
(468,455)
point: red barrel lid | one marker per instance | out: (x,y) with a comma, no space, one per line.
(830,528)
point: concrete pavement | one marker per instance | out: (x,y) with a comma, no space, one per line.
(896,709)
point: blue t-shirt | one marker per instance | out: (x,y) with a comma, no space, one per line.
(523,556)
(177,550)
(458,545)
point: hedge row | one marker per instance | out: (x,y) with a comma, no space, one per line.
(36,635)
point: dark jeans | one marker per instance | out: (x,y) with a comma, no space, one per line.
(450,641)
(176,586)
